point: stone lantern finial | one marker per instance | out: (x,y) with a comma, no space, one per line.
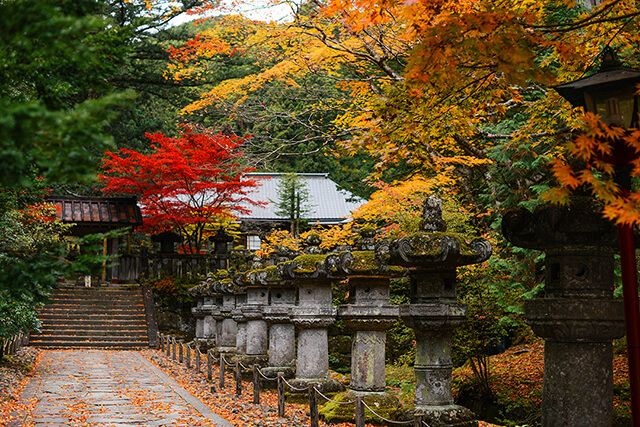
(432,215)
(312,244)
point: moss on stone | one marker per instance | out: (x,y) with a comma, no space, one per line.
(426,244)
(384,404)
(308,263)
(271,273)
(365,262)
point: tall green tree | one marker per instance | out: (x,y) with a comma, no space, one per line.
(56,61)
(293,200)
(56,58)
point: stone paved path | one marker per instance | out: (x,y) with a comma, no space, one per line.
(110,388)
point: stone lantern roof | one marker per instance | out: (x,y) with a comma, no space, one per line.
(369,263)
(434,247)
(553,227)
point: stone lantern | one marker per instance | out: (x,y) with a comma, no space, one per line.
(240,295)
(204,311)
(313,276)
(257,297)
(221,242)
(432,256)
(369,314)
(227,327)
(611,93)
(168,241)
(577,317)
(282,333)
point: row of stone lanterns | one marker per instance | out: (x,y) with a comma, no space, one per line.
(577,316)
(297,295)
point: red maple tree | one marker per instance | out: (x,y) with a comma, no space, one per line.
(184,184)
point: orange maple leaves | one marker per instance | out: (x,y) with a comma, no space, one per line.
(593,160)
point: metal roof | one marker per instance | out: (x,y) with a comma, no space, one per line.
(95,214)
(328,204)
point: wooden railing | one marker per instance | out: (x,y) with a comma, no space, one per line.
(132,267)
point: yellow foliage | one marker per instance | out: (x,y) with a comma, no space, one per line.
(334,236)
(277,240)
(433,75)
(397,209)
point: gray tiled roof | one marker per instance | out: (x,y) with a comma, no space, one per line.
(328,204)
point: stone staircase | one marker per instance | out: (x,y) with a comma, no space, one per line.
(109,317)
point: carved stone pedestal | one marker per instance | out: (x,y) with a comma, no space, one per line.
(369,315)
(205,322)
(434,324)
(282,334)
(241,331)
(256,329)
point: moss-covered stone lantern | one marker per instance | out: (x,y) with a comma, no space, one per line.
(282,333)
(314,313)
(432,256)
(368,314)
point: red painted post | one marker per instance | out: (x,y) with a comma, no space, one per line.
(631,314)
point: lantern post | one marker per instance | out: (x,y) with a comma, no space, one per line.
(611,94)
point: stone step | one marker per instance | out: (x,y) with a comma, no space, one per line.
(94,300)
(86,337)
(110,317)
(105,326)
(90,310)
(93,344)
(84,321)
(91,333)
(79,313)
(96,291)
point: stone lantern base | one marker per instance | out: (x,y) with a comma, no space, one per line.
(272,372)
(261,360)
(384,404)
(327,386)
(447,415)
(205,344)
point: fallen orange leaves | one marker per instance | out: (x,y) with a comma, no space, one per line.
(239,411)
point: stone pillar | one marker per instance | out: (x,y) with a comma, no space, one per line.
(369,314)
(241,323)
(209,326)
(281,297)
(432,257)
(369,317)
(227,332)
(577,317)
(205,322)
(313,315)
(199,313)
(257,329)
